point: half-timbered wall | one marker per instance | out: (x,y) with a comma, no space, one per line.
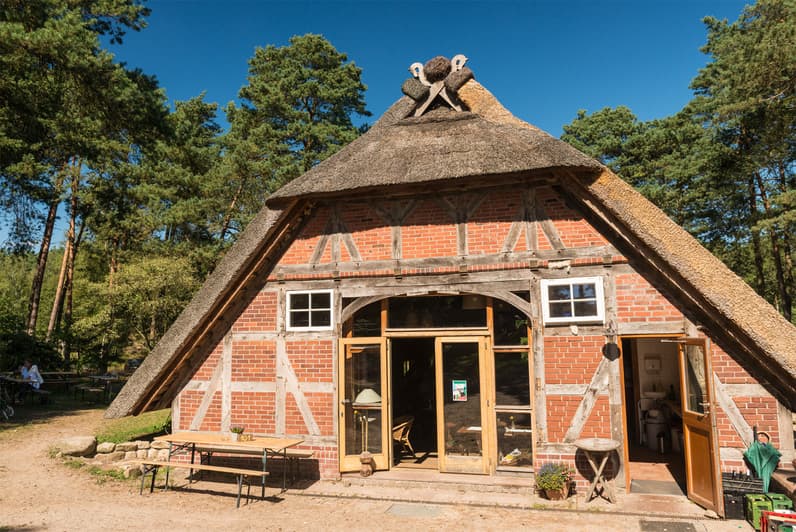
(492,242)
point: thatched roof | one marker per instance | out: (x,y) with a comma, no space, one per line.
(442,145)
(446,147)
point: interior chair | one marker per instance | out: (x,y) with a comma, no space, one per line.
(400,433)
(644,405)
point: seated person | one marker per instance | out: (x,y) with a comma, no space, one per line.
(30,373)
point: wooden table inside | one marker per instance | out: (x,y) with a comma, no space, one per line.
(186,440)
(602,447)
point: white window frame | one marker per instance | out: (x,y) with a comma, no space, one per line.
(289,315)
(599,295)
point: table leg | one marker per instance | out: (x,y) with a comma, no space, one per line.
(265,462)
(168,469)
(284,469)
(599,478)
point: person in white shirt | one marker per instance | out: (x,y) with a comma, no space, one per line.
(30,373)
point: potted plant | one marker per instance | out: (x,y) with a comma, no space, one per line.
(236,432)
(554,480)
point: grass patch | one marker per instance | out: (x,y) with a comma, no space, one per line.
(104,475)
(133,427)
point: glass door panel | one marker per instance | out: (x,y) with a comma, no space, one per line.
(461,403)
(363,404)
(513,421)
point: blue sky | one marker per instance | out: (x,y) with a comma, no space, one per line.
(543,60)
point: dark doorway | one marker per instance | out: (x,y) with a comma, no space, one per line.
(654,422)
(414,398)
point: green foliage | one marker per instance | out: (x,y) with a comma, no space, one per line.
(296,111)
(135,427)
(553,476)
(723,167)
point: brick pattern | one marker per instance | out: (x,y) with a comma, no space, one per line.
(572,359)
(428,232)
(561,409)
(371,234)
(489,225)
(573,230)
(259,316)
(639,301)
(255,411)
(303,246)
(727,369)
(311,360)
(253,361)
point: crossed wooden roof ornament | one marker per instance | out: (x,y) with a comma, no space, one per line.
(439,78)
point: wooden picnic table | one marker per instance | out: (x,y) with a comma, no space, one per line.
(186,441)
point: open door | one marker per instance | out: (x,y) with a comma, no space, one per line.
(699,434)
(364,409)
(462,427)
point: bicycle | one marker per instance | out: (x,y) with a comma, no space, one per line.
(6,410)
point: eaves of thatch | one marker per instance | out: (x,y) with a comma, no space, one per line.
(444,148)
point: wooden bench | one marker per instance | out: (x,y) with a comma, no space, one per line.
(292,455)
(43,395)
(83,388)
(152,466)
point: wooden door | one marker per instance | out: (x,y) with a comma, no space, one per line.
(364,405)
(699,434)
(463,428)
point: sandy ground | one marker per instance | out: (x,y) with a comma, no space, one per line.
(38,492)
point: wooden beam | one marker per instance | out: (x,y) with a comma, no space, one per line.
(737,420)
(598,383)
(207,398)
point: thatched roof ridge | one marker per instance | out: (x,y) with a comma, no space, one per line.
(441,145)
(212,293)
(754,323)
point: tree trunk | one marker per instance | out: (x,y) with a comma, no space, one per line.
(66,346)
(44,251)
(756,248)
(60,288)
(786,300)
(228,216)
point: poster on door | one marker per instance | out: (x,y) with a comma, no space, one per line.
(459,390)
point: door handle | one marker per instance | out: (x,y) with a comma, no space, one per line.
(345,402)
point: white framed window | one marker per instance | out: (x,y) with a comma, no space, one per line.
(573,300)
(309,310)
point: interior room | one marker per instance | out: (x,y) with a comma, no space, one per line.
(655,428)
(414,421)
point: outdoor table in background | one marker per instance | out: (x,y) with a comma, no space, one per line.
(189,441)
(601,448)
(107,382)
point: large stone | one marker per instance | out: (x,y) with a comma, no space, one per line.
(130,455)
(159,445)
(126,446)
(106,447)
(131,471)
(163,454)
(142,444)
(152,454)
(109,457)
(141,453)
(77,446)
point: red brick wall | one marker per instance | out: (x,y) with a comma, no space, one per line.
(259,316)
(638,301)
(427,232)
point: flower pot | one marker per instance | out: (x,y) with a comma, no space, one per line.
(556,495)
(234,436)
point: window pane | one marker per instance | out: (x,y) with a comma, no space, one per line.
(299,301)
(363,405)
(461,399)
(321,300)
(558,292)
(300,319)
(560,310)
(695,382)
(584,291)
(436,311)
(321,318)
(514,439)
(585,308)
(367,321)
(512,386)
(511,326)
